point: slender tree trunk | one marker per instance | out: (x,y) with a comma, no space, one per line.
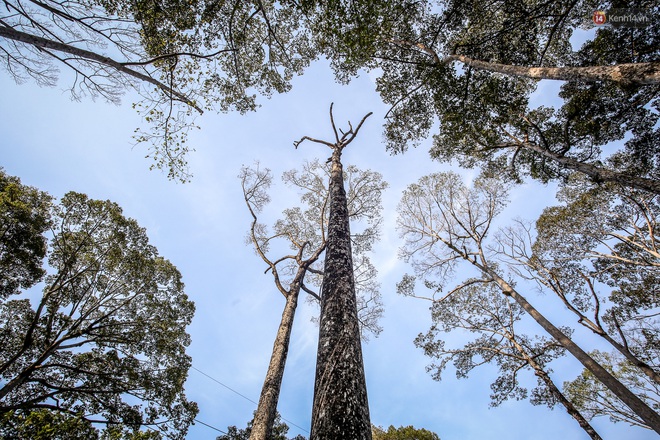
(264,418)
(556,392)
(637,73)
(598,329)
(646,368)
(341,410)
(570,408)
(650,417)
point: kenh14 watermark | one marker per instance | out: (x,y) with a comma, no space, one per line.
(635,18)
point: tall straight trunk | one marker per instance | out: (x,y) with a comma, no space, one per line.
(637,73)
(264,417)
(341,409)
(597,328)
(556,392)
(637,405)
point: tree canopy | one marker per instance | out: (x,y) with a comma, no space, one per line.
(493,319)
(472,67)
(24,217)
(304,229)
(464,71)
(182,57)
(594,400)
(278,432)
(402,433)
(446,224)
(104,344)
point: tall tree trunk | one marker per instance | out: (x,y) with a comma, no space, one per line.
(556,392)
(341,409)
(637,73)
(570,408)
(264,417)
(637,405)
(625,73)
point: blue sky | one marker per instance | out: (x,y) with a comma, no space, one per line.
(58,145)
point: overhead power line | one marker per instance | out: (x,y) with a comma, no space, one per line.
(229,388)
(212,427)
(243,396)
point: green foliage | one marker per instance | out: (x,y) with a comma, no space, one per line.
(444,223)
(349,33)
(106,340)
(181,56)
(482,310)
(24,217)
(608,234)
(195,55)
(119,433)
(278,432)
(594,400)
(43,424)
(402,433)
(485,118)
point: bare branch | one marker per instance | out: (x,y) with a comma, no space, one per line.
(92,56)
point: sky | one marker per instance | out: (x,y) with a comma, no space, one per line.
(58,145)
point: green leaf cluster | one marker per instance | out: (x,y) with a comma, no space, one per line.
(24,217)
(105,341)
(593,399)
(279,431)
(402,433)
(485,118)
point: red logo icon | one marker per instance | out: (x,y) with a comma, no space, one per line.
(599,18)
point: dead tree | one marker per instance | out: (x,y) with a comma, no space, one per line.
(340,409)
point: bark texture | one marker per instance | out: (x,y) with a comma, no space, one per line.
(598,174)
(264,417)
(341,409)
(633,73)
(556,392)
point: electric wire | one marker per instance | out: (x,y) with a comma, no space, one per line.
(212,427)
(243,396)
(230,389)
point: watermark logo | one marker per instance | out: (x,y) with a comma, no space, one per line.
(633,18)
(599,18)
